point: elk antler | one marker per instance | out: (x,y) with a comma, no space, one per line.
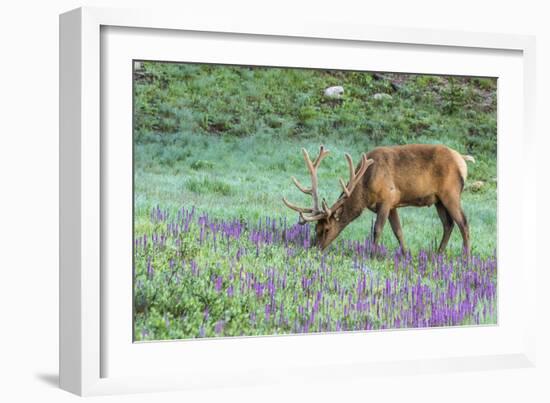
(354,179)
(315,212)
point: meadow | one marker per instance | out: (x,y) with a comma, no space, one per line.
(216,253)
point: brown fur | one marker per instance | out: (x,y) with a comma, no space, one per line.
(409,175)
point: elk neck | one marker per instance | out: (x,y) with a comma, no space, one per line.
(352,208)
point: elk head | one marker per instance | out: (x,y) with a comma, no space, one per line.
(329,219)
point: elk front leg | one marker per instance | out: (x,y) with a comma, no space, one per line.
(396,227)
(381,216)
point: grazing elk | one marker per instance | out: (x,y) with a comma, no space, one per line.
(388,178)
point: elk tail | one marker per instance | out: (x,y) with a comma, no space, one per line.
(469,158)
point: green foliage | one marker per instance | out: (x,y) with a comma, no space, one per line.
(453,97)
(207,186)
(234,101)
(201,165)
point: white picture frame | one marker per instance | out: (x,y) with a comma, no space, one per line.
(89,326)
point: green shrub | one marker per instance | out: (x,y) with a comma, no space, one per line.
(199,165)
(206,185)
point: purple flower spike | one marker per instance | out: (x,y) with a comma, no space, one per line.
(218,328)
(218,285)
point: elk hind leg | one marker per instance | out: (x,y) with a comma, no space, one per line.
(448,225)
(452,204)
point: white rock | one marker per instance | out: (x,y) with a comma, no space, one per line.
(381,96)
(334,92)
(476,186)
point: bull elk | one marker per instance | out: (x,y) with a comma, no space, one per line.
(388,178)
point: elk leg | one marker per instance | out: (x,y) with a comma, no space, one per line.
(396,227)
(381,217)
(448,225)
(452,204)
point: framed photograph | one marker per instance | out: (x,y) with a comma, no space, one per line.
(244,204)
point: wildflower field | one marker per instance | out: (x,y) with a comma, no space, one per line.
(216,253)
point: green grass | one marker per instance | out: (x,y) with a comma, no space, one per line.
(246,178)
